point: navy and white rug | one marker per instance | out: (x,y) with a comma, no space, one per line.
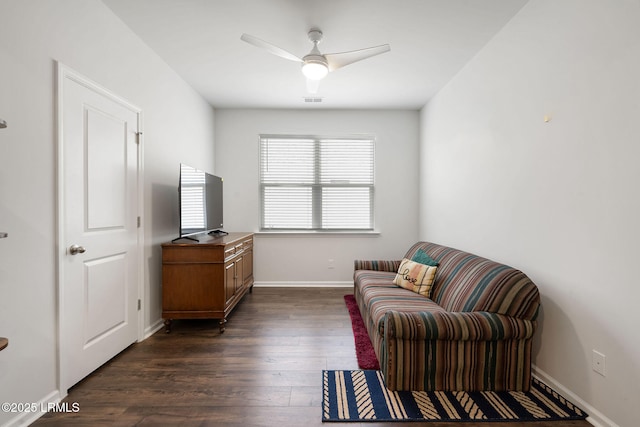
(362,396)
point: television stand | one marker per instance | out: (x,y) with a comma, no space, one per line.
(218,233)
(206,280)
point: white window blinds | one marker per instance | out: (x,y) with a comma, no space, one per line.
(316,183)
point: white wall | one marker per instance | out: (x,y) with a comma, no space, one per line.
(304,259)
(557,199)
(178,126)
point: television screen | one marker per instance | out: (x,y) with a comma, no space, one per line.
(200,196)
(213,202)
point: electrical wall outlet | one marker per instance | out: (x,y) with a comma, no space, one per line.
(330,264)
(598,362)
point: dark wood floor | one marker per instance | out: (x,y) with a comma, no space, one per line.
(265,370)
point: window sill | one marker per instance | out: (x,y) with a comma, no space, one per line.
(281,233)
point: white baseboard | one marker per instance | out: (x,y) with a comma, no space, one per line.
(152,329)
(595,418)
(310,284)
(25,418)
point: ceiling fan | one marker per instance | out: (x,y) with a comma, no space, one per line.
(315,65)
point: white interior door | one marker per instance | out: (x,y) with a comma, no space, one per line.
(99,237)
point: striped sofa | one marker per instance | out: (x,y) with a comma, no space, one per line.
(475,333)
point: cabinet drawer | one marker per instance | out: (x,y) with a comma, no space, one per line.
(232,251)
(189,254)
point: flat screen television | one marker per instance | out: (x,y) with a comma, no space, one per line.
(200,201)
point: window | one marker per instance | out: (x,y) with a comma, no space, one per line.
(316,183)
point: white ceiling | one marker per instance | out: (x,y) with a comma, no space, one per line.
(430,40)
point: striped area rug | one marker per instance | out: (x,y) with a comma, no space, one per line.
(362,396)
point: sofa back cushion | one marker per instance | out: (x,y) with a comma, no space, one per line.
(467,282)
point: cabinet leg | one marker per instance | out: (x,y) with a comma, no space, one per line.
(167,325)
(222,323)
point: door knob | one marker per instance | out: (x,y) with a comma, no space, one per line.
(76,249)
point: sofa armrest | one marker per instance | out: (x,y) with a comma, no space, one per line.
(458,326)
(377,265)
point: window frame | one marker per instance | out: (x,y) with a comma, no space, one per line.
(317,186)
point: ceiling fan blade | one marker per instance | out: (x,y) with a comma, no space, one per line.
(269,47)
(337,60)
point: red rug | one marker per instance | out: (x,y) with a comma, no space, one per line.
(364,349)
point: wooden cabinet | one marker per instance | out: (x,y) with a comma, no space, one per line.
(206,279)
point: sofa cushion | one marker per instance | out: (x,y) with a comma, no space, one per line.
(379,295)
(368,278)
(415,277)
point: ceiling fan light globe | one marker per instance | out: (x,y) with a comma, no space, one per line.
(315,70)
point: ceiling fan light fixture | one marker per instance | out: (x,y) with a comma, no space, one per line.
(315,70)
(315,65)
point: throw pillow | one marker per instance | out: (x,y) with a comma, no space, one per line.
(415,277)
(423,258)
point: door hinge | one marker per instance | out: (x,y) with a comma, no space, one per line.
(138,134)
(139,305)
(139,220)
